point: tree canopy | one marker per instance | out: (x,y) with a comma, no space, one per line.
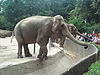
(85,14)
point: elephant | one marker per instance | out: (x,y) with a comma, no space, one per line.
(72,29)
(58,38)
(38,29)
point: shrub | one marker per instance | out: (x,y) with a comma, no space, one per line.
(94,69)
(4,24)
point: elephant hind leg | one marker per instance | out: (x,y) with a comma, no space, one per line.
(20,50)
(26,51)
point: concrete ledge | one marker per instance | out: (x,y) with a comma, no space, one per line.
(98,57)
(72,60)
(88,56)
(81,67)
(30,66)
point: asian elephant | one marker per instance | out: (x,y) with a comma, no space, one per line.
(58,38)
(72,29)
(38,29)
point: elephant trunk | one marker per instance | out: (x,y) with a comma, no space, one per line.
(70,36)
(83,36)
(79,33)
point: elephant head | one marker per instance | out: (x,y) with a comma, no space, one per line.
(73,30)
(57,23)
(63,28)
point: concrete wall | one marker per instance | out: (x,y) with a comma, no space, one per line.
(87,56)
(78,50)
(74,61)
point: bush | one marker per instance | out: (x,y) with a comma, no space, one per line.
(8,26)
(78,22)
(4,24)
(94,69)
(84,27)
(3,21)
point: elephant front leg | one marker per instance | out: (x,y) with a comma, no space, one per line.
(40,54)
(26,51)
(20,50)
(62,41)
(51,42)
(43,52)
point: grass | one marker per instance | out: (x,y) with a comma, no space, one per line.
(94,69)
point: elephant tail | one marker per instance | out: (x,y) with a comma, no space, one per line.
(13,34)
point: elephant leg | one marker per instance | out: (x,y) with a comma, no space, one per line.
(26,51)
(43,52)
(34,48)
(20,50)
(62,42)
(51,42)
(40,53)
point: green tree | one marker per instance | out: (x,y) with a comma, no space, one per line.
(37,7)
(85,16)
(13,10)
(83,13)
(62,7)
(96,8)
(4,24)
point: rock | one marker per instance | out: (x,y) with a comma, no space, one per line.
(5,33)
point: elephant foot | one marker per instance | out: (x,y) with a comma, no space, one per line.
(45,57)
(28,55)
(20,56)
(62,46)
(40,57)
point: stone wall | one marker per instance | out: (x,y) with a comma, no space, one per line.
(5,33)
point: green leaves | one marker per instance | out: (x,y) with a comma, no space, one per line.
(96,6)
(74,11)
(86,15)
(94,69)
(4,24)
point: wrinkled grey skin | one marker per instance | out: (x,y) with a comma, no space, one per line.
(58,38)
(72,29)
(65,32)
(38,29)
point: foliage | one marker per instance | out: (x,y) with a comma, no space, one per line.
(94,69)
(86,15)
(13,9)
(2,21)
(83,13)
(76,20)
(96,5)
(4,24)
(62,7)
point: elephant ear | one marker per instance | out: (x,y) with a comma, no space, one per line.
(71,27)
(57,22)
(74,28)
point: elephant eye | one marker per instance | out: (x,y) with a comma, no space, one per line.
(62,25)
